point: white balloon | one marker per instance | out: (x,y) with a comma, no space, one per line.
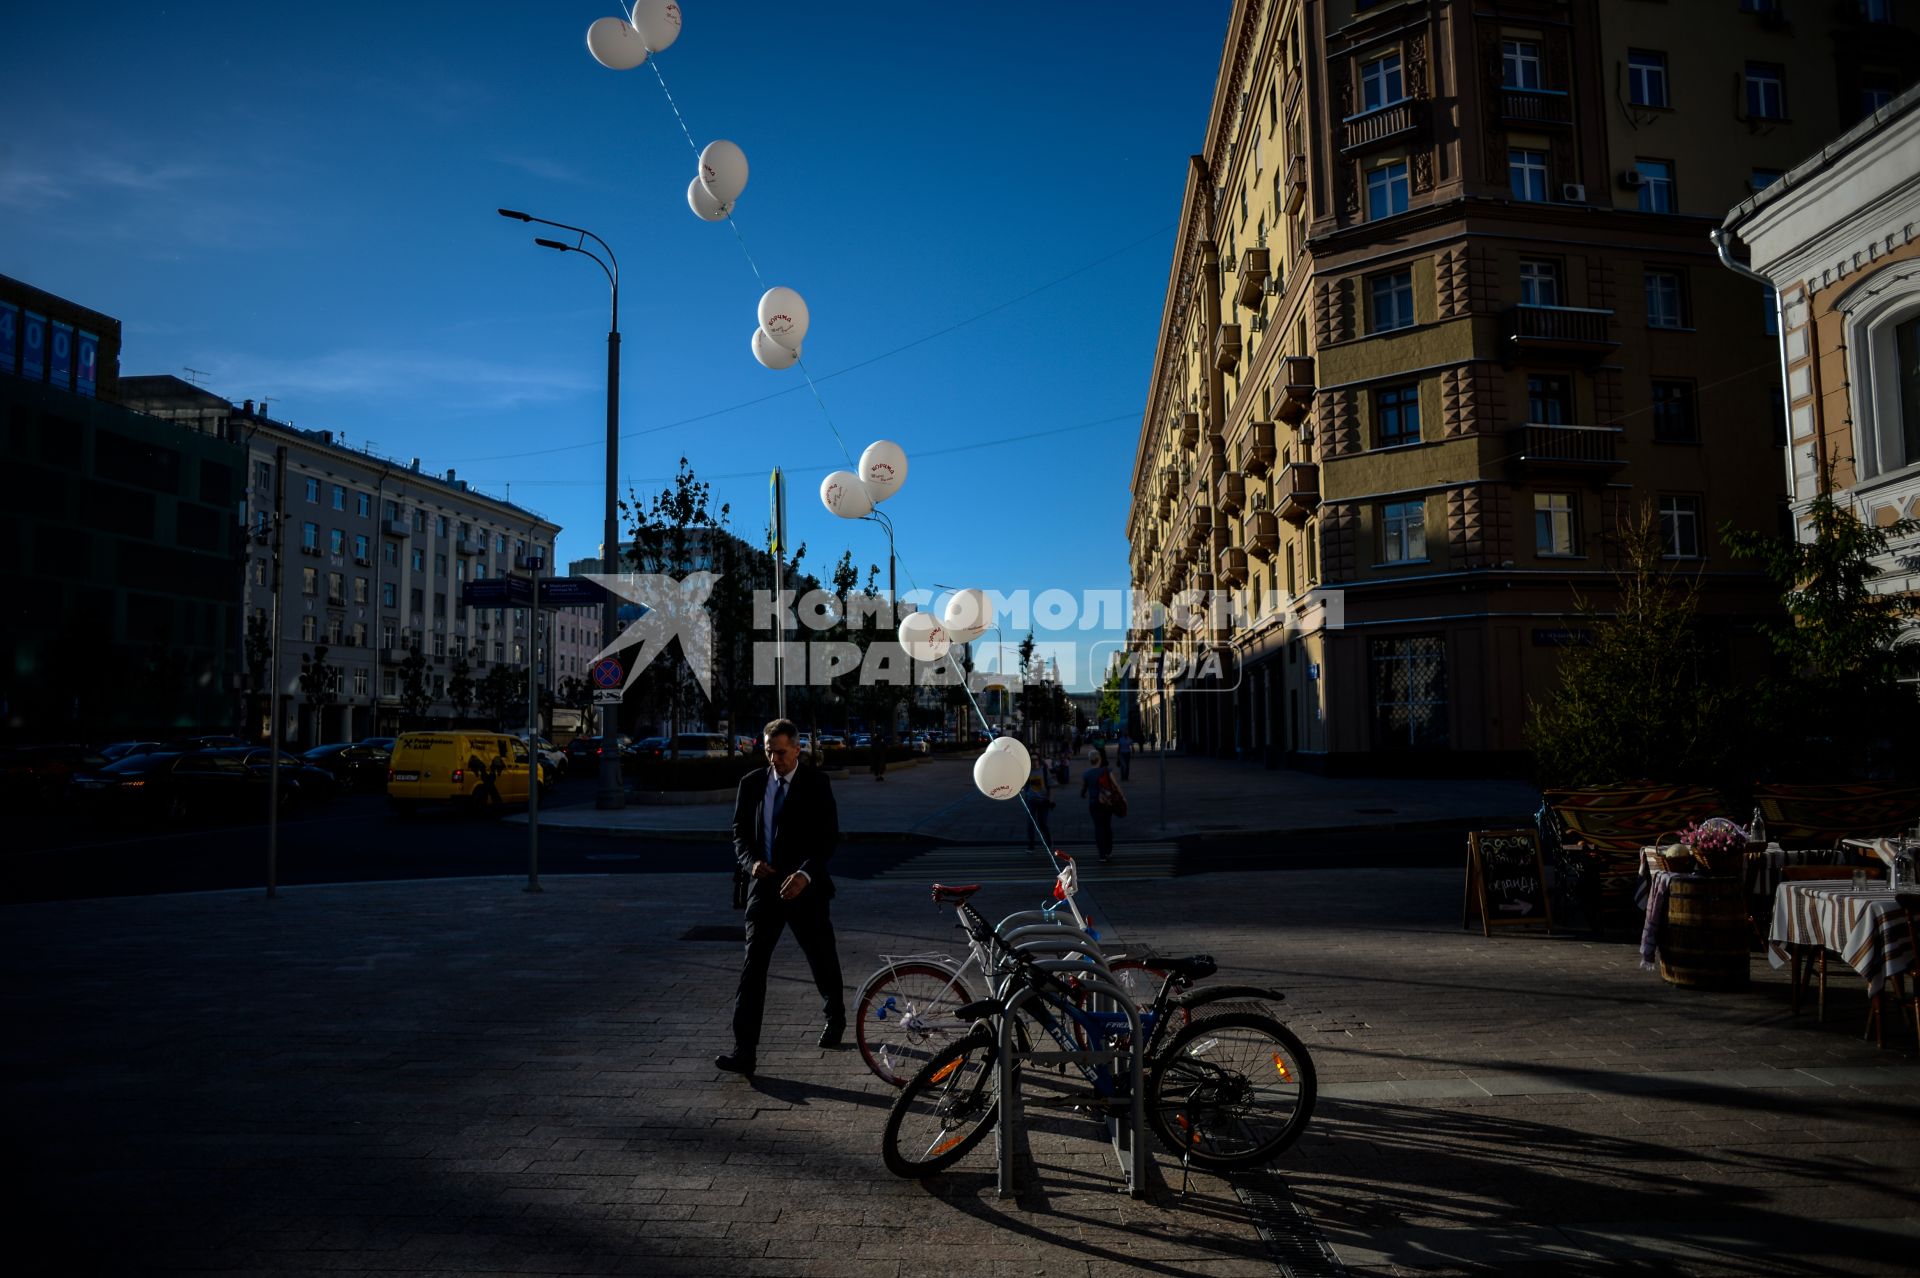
(1002,770)
(923,637)
(658,22)
(615,45)
(968,615)
(883,468)
(703,205)
(773,355)
(783,313)
(842,493)
(723,171)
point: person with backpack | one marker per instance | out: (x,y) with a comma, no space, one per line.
(1104,801)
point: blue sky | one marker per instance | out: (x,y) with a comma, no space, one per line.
(299,203)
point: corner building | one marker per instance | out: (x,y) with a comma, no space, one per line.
(1442,315)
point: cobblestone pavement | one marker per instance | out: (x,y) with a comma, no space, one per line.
(459,1077)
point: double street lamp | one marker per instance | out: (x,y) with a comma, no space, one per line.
(612,792)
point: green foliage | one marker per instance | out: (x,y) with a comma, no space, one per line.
(503,694)
(319,682)
(1640,700)
(460,686)
(415,700)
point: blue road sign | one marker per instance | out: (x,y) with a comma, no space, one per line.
(571,592)
(497,592)
(608,673)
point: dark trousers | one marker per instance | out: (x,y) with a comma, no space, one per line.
(1126,767)
(1102,829)
(812,924)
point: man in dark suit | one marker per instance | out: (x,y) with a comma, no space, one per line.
(785,826)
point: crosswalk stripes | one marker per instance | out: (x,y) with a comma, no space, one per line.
(1014,864)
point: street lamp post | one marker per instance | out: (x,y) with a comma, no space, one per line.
(612,792)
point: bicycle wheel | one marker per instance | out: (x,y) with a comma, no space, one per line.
(1231,1091)
(905,1015)
(945,1109)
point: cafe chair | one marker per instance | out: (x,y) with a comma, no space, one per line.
(1804,964)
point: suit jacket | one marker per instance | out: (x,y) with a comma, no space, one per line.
(808,831)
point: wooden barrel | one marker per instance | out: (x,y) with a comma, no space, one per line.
(1704,941)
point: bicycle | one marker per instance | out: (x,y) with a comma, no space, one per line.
(904,1012)
(1226,1091)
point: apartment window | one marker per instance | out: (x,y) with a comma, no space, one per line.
(336,541)
(1554,531)
(360,681)
(500,544)
(1906,345)
(362,547)
(313,491)
(417,600)
(460,570)
(1396,416)
(466,531)
(389,682)
(1674,421)
(1646,77)
(363,505)
(1391,301)
(1409,692)
(1680,527)
(1766,91)
(336,587)
(439,643)
(390,553)
(336,631)
(309,581)
(1527,174)
(499,650)
(1381,83)
(360,595)
(1387,190)
(310,536)
(263,476)
(309,628)
(439,566)
(1549,400)
(1519,64)
(1403,532)
(389,594)
(339,497)
(1666,300)
(1539,282)
(1656,185)
(440,526)
(419,560)
(259,572)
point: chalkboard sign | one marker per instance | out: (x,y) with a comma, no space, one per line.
(1505,880)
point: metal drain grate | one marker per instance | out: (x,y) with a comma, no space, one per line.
(1296,1246)
(735,935)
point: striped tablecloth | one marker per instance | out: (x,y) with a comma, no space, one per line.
(1763,867)
(1866,928)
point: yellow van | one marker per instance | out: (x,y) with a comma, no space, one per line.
(483,770)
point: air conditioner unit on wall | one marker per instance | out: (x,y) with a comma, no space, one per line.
(1633,179)
(1573,192)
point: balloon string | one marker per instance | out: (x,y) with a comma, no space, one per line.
(761,279)
(691,144)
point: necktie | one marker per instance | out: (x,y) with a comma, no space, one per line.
(773,812)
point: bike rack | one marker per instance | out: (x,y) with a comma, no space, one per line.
(1133,1155)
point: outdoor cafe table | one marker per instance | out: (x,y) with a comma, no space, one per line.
(1866,928)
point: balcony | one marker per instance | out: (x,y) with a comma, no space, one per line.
(1199,525)
(1202,582)
(1382,126)
(1297,491)
(1233,567)
(1293,387)
(1293,184)
(1535,106)
(471,546)
(1232,498)
(1253,277)
(1189,430)
(1593,449)
(397,528)
(396,655)
(1262,534)
(1226,348)
(1568,330)
(1256,449)
(1163,503)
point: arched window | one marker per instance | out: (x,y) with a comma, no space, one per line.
(1883,341)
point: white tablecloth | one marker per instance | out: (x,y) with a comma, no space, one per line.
(1866,929)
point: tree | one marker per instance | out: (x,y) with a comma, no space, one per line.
(1838,702)
(319,684)
(258,646)
(1637,699)
(460,686)
(502,692)
(415,700)
(576,693)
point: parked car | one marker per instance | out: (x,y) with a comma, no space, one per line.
(39,774)
(553,760)
(698,745)
(121,749)
(861,740)
(378,743)
(646,749)
(310,784)
(211,742)
(353,766)
(175,787)
(584,750)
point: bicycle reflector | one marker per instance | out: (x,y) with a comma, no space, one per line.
(940,1076)
(1280,1063)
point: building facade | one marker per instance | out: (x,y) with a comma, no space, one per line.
(374,555)
(1442,319)
(1837,238)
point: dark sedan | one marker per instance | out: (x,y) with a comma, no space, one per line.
(354,765)
(39,774)
(175,787)
(310,784)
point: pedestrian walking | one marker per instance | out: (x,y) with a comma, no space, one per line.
(1038,797)
(1126,757)
(785,826)
(878,764)
(1104,801)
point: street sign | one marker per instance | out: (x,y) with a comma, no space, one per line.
(497,592)
(607,696)
(609,673)
(571,592)
(777,514)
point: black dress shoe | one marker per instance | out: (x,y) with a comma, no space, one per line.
(832,1035)
(734,1063)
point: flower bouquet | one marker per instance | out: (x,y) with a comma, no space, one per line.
(1716,845)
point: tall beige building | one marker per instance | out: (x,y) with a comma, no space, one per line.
(1442,314)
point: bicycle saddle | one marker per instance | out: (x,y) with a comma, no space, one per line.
(1193,967)
(954,895)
